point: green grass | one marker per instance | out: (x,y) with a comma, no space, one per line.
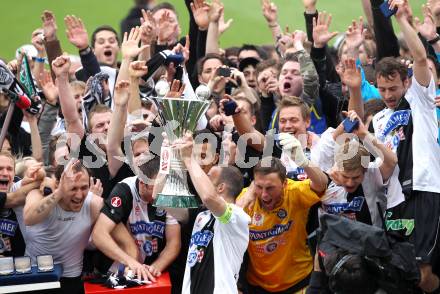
(20,18)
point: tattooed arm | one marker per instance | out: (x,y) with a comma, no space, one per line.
(38,207)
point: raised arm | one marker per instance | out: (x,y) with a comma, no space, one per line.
(415,45)
(244,127)
(270,13)
(60,67)
(351,77)
(33,178)
(51,42)
(37,148)
(116,127)
(38,207)
(148,34)
(212,40)
(77,36)
(203,185)
(428,29)
(375,147)
(307,69)
(318,180)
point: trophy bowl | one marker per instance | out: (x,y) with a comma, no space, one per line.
(178,116)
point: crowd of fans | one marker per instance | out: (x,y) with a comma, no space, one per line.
(300,137)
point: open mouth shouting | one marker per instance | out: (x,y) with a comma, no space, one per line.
(108,53)
(4,183)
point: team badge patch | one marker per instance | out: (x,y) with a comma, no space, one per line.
(160,212)
(271,247)
(282,213)
(257,219)
(192,258)
(116,201)
(148,248)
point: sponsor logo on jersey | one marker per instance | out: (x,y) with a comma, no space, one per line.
(116,201)
(156,228)
(398,118)
(399,224)
(202,238)
(8,227)
(276,230)
(337,208)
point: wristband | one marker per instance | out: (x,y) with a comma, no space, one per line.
(226,217)
(435,40)
(85,51)
(39,59)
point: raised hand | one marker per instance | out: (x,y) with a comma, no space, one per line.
(355,34)
(48,87)
(361,131)
(403,9)
(49,25)
(321,34)
(435,9)
(138,69)
(310,5)
(270,12)
(222,25)
(33,173)
(122,92)
(184,50)
(351,74)
(76,32)
(37,41)
(148,27)
(70,175)
(428,28)
(166,28)
(96,188)
(130,44)
(200,11)
(215,11)
(176,90)
(61,66)
(185,146)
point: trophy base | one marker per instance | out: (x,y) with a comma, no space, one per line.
(164,200)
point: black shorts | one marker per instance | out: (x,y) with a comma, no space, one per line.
(417,220)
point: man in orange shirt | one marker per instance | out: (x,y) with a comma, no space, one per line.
(279,259)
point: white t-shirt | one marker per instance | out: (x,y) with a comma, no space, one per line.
(230,242)
(425,149)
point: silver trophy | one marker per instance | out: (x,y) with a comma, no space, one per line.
(178,116)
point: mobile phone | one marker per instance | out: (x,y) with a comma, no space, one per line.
(410,72)
(386,11)
(350,125)
(230,107)
(224,72)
